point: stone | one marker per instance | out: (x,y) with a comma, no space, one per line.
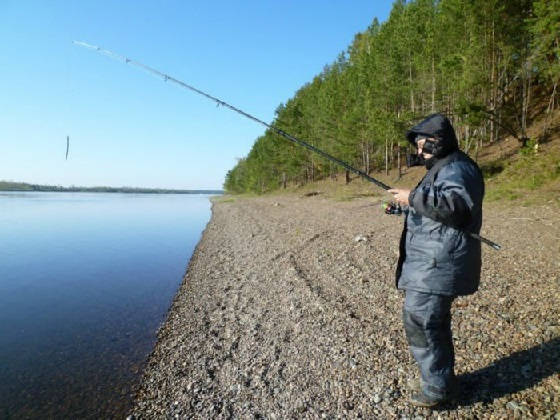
(512,405)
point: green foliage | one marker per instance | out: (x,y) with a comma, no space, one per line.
(530,148)
(472,60)
(545,27)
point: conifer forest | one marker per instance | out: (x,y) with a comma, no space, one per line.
(491,66)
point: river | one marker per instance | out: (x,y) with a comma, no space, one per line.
(86,279)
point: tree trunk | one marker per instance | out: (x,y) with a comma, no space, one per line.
(399,160)
(526,97)
(411,89)
(476,152)
(364,156)
(550,108)
(386,156)
(284,180)
(493,93)
(347,177)
(367,159)
(312,171)
(433,87)
(467,139)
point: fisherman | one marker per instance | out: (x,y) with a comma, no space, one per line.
(438,260)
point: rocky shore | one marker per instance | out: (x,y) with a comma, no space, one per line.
(289,310)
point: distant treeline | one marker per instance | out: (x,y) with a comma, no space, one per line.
(492,66)
(20,186)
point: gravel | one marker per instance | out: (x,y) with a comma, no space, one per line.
(284,313)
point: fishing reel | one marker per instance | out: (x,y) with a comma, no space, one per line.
(393,208)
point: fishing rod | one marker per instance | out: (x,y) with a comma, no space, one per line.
(277,130)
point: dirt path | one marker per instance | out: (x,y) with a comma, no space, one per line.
(283,314)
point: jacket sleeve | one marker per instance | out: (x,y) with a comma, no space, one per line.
(449,199)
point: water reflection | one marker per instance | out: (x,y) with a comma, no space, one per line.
(85,281)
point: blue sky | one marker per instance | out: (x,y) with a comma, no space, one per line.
(128,128)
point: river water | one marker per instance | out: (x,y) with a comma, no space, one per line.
(86,279)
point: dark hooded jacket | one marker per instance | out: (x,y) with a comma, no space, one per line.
(436,254)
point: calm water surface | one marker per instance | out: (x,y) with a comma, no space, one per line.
(86,279)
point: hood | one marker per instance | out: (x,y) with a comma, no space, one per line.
(438,127)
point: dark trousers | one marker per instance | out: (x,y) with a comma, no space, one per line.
(427,323)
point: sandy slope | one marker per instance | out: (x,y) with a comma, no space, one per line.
(282,314)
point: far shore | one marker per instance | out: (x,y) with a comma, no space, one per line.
(6,186)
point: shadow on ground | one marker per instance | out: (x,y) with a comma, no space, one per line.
(514,373)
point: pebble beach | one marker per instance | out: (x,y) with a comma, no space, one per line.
(289,309)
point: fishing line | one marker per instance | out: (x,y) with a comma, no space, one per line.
(277,130)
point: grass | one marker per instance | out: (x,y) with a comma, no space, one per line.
(338,190)
(526,178)
(532,178)
(230,198)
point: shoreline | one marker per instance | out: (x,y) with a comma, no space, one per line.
(284,313)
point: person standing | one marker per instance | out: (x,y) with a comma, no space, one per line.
(438,260)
